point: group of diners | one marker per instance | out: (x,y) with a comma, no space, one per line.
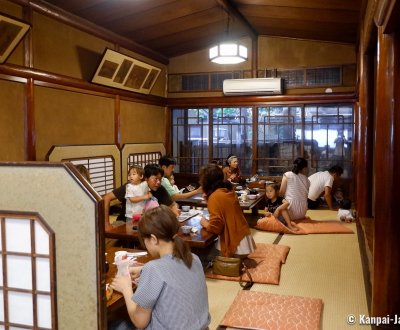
(171,292)
(297,193)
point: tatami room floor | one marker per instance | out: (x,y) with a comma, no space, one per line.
(327,266)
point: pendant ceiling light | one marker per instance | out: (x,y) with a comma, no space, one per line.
(228,52)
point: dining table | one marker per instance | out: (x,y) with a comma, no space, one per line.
(116,300)
(198,238)
(251,203)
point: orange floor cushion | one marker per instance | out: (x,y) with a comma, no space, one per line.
(306,226)
(269,258)
(262,310)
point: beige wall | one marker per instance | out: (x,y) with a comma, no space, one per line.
(293,53)
(11,121)
(141,123)
(274,53)
(15,11)
(64,117)
(199,62)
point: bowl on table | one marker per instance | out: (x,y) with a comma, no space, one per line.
(185,208)
(251,196)
(186,229)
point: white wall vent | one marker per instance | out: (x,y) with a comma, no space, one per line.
(254,86)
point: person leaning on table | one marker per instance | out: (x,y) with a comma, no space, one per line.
(168,164)
(226,216)
(153,175)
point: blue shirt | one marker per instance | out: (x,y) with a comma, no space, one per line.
(176,294)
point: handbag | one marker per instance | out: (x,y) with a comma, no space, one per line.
(227,266)
(232,267)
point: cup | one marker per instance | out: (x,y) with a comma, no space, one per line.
(120,255)
(122,267)
(185,208)
(244,197)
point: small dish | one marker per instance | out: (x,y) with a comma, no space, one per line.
(186,229)
(185,208)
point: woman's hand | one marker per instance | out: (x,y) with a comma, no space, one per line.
(122,284)
(135,271)
(204,222)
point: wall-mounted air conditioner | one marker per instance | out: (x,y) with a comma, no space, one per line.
(253,86)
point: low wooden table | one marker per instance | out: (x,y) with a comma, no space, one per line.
(200,239)
(250,204)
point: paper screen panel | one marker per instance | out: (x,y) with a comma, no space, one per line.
(17,228)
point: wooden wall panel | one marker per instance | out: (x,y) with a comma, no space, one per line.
(142,123)
(11,121)
(386,285)
(64,117)
(62,49)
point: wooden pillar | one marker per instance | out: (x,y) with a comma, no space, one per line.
(364,128)
(29,107)
(117,121)
(386,284)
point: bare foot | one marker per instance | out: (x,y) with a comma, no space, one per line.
(293,227)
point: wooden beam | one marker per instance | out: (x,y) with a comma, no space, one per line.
(232,10)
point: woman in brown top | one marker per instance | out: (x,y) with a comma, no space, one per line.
(232,171)
(226,217)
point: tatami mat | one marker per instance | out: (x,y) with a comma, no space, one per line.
(221,295)
(263,236)
(326,266)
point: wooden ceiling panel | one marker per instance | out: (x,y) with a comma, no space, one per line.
(176,27)
(353,5)
(306,14)
(157,15)
(197,20)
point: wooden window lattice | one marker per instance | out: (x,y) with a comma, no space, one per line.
(32,290)
(142,159)
(101,170)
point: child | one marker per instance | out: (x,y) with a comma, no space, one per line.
(172,181)
(137,192)
(344,212)
(172,283)
(277,206)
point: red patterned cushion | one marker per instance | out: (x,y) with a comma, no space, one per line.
(306,226)
(262,310)
(269,257)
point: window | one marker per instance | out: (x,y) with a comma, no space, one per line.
(27,262)
(322,134)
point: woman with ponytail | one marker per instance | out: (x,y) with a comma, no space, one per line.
(171,291)
(226,216)
(294,188)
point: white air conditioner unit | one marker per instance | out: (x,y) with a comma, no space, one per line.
(253,86)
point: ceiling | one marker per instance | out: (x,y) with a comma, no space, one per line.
(176,27)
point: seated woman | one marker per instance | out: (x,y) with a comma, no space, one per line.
(226,217)
(232,171)
(294,188)
(171,292)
